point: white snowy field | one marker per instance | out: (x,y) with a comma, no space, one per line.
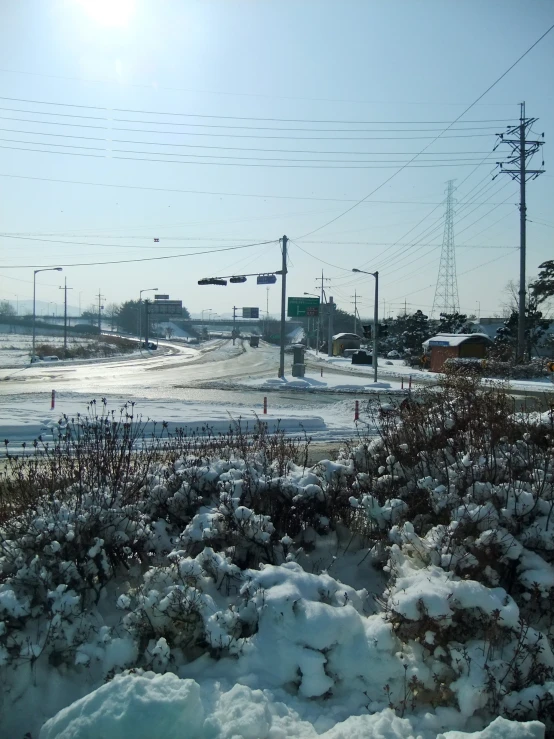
(26,418)
(15,349)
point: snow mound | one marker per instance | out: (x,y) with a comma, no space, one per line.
(151,706)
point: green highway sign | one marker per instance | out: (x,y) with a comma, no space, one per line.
(303,307)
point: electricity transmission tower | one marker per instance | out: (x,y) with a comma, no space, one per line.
(446,293)
(522,150)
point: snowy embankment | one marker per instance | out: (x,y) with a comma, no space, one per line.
(396,369)
(227,590)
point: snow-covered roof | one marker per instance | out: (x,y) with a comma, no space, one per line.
(349,337)
(455,339)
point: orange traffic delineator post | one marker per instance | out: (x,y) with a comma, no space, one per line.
(357,411)
(53,401)
(265,405)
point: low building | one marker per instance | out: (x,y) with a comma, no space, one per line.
(448,346)
(345,341)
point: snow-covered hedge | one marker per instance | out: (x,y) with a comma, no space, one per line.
(414,575)
(496,368)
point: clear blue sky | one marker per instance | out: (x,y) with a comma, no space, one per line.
(418,63)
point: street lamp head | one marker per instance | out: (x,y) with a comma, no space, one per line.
(356,270)
(58,269)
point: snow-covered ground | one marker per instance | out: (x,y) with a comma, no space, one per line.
(395,368)
(15,349)
(329,382)
(30,417)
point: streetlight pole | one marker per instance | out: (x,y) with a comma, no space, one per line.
(146,290)
(35,273)
(375,318)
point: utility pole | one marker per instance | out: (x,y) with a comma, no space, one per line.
(65,288)
(522,151)
(322,280)
(355,296)
(283,308)
(330,327)
(100,309)
(234,324)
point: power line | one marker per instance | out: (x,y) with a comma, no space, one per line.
(231,117)
(215,193)
(142,259)
(230,148)
(239,135)
(108,155)
(246,128)
(336,218)
(109,150)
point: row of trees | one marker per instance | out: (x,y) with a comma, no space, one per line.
(123,316)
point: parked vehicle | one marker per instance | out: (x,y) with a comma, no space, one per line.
(150,345)
(362,357)
(51,358)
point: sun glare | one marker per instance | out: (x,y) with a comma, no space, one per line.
(109,13)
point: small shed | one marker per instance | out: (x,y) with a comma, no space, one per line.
(447,346)
(345,341)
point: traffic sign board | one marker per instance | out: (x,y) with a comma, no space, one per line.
(266,279)
(165,308)
(161,297)
(303,307)
(250,312)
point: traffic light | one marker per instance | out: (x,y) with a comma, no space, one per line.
(367,331)
(212,281)
(383,330)
(238,279)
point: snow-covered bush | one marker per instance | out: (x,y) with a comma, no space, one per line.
(464,489)
(413,575)
(493,367)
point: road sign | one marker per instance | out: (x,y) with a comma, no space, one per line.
(166,308)
(439,343)
(303,307)
(161,297)
(250,312)
(266,279)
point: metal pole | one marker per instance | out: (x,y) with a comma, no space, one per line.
(34,313)
(234,324)
(376,325)
(320,317)
(139,330)
(65,316)
(355,308)
(283,309)
(522,239)
(331,306)
(146,323)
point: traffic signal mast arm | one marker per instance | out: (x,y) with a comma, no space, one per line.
(241,278)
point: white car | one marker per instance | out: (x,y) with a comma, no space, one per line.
(393,355)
